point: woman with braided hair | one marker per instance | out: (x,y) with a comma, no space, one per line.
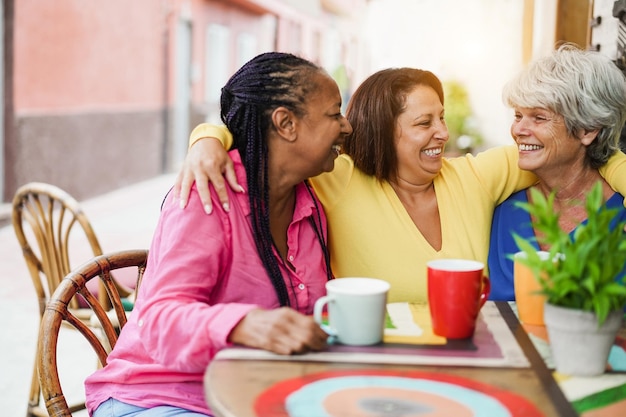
(250,276)
(393,201)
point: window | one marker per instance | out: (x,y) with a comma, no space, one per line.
(246,48)
(217,59)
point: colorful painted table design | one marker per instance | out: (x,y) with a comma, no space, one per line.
(412,373)
(378,393)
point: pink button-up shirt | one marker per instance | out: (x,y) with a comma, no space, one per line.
(202,278)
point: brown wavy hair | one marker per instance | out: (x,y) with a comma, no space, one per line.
(373,111)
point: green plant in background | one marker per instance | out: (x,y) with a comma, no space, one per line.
(459,116)
(583,270)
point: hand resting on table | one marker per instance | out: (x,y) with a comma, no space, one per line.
(283,331)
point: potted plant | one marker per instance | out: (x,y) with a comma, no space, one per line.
(582,280)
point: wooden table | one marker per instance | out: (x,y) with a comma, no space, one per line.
(258,387)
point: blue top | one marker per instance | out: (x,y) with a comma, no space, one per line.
(509,219)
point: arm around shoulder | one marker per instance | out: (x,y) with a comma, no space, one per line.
(207,130)
(614,172)
(207,162)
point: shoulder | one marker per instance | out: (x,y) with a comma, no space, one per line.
(490,159)
(331,186)
(508,216)
(512,200)
(616,202)
(497,154)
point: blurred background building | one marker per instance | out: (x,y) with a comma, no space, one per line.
(101,94)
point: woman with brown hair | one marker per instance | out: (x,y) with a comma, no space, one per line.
(393,202)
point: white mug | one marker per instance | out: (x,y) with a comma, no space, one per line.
(356,310)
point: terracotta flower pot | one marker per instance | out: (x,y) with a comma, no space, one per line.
(579,347)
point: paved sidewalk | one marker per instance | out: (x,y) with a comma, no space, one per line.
(122,219)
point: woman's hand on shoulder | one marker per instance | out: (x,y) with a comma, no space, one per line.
(283,331)
(206,162)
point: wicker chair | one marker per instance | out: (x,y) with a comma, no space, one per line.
(50,225)
(101,335)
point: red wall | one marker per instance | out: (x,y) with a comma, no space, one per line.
(93,82)
(76,54)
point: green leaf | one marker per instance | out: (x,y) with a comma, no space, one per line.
(585,269)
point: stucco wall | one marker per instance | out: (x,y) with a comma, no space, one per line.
(88,154)
(88,94)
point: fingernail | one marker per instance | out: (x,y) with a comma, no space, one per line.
(241,190)
(226,207)
(208,209)
(181,204)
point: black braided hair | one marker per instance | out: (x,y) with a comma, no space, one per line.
(268,81)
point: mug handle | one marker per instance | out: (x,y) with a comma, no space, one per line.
(317,316)
(486,289)
(319,307)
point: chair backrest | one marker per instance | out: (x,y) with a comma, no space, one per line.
(103,332)
(46,221)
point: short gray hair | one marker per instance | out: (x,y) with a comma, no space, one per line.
(585,87)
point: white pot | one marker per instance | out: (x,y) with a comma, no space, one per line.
(579,347)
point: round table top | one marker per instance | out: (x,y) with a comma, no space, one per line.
(265,388)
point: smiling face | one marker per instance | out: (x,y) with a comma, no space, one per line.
(420,136)
(311,139)
(322,130)
(544,144)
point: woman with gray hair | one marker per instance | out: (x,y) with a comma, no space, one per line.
(569,111)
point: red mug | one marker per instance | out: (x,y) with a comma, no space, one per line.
(457,290)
